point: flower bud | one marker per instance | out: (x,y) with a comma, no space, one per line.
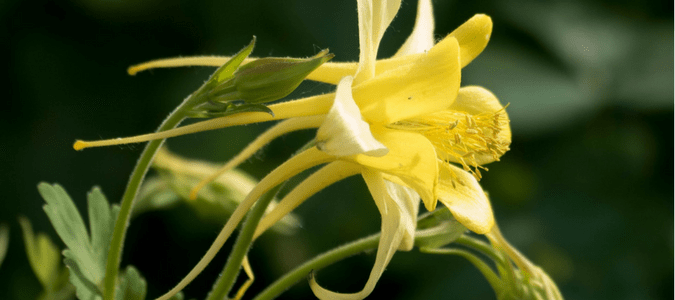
(268,79)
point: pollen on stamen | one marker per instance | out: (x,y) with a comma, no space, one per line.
(462,138)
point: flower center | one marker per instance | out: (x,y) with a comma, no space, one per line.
(459,137)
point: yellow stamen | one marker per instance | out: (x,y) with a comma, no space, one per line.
(262,140)
(249,272)
(315,105)
(459,136)
(307,159)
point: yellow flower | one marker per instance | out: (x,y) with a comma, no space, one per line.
(399,122)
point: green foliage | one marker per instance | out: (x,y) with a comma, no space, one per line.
(215,202)
(87,253)
(4,241)
(44,260)
(131,286)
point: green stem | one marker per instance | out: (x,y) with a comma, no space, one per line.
(482,247)
(328,258)
(243,243)
(319,262)
(122,222)
(225,282)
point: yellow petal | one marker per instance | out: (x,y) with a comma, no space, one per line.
(422,37)
(374,18)
(461,193)
(473,36)
(477,100)
(395,224)
(411,158)
(344,132)
(429,83)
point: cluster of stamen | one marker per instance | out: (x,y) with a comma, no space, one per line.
(462,138)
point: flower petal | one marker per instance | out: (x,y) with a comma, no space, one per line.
(374,18)
(411,159)
(461,193)
(395,201)
(427,84)
(396,222)
(477,100)
(403,198)
(344,132)
(473,36)
(422,37)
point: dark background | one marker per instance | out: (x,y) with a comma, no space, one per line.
(586,191)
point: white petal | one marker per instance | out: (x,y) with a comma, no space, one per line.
(422,37)
(406,201)
(344,132)
(398,206)
(374,18)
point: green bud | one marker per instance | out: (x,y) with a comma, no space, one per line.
(268,79)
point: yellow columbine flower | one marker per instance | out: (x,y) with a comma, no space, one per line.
(399,122)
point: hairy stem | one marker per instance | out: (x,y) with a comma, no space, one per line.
(241,246)
(126,207)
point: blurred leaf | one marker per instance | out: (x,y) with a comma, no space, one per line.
(541,97)
(43,256)
(4,241)
(132,286)
(45,262)
(629,60)
(155,194)
(217,199)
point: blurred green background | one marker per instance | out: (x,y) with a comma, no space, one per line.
(586,191)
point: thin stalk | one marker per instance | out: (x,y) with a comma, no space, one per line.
(326,259)
(243,243)
(319,262)
(142,166)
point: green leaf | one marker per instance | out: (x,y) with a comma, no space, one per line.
(132,286)
(85,289)
(101,222)
(86,254)
(43,255)
(4,241)
(69,226)
(225,71)
(155,194)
